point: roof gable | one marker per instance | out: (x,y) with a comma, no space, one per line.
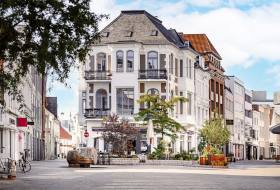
(201,43)
(64,134)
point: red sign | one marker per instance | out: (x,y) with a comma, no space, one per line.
(22,122)
(86,134)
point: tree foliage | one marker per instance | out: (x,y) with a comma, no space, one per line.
(119,134)
(158,110)
(48,35)
(215,133)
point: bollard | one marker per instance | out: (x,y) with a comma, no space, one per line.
(12,170)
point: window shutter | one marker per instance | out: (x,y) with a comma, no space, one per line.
(163,87)
(162,61)
(142,87)
(176,67)
(91,63)
(181,68)
(109,63)
(142,62)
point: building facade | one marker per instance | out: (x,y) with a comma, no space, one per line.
(52,134)
(269,114)
(251,131)
(201,85)
(236,86)
(15,139)
(229,115)
(137,55)
(212,58)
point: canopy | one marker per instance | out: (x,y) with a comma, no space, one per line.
(275,129)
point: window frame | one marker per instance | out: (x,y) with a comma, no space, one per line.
(152,58)
(119,69)
(129,58)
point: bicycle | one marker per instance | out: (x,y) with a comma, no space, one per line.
(4,164)
(24,164)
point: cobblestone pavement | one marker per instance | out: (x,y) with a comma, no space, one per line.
(55,175)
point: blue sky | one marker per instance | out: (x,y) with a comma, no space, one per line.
(245,32)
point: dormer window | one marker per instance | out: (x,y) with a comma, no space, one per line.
(105,34)
(154,33)
(128,33)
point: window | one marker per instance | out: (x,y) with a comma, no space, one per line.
(90,88)
(101,62)
(154,33)
(153,91)
(152,60)
(128,33)
(129,60)
(182,148)
(189,96)
(101,99)
(125,101)
(119,56)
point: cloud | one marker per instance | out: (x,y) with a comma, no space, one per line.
(242,37)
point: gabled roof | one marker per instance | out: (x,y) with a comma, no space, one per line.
(201,43)
(171,35)
(64,134)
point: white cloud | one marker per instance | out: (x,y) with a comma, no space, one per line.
(205,3)
(241,37)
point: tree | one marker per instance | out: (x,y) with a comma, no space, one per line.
(157,110)
(215,133)
(119,134)
(48,35)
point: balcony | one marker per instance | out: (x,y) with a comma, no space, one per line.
(97,113)
(98,75)
(152,74)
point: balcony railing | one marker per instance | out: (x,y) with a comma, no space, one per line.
(98,75)
(152,74)
(97,113)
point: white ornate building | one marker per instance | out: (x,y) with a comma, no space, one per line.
(138,55)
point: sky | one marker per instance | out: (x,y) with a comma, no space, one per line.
(246,34)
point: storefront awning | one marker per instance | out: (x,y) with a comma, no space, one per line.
(275,129)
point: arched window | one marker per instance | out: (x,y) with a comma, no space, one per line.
(153,91)
(101,62)
(101,99)
(130,61)
(152,60)
(119,56)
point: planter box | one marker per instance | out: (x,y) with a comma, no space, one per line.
(203,160)
(218,160)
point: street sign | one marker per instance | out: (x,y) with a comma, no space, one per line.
(30,122)
(86,134)
(22,122)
